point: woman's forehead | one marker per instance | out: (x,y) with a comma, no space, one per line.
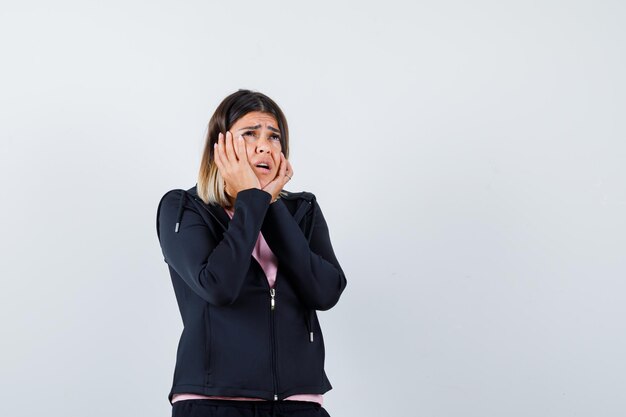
(256,120)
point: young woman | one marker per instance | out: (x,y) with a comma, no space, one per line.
(250,264)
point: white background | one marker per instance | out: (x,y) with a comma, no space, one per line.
(469,158)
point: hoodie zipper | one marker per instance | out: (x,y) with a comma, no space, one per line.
(273,326)
(272,300)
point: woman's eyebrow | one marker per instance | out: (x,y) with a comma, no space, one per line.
(258,126)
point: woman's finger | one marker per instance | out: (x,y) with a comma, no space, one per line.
(224,164)
(240,148)
(220,149)
(218,158)
(282,170)
(230,150)
(289,169)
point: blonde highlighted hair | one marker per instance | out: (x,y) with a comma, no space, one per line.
(232,108)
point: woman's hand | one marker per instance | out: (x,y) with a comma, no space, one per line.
(232,162)
(285,172)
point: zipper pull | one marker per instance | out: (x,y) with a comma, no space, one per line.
(275,397)
(272,301)
(311,337)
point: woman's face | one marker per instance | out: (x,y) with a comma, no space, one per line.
(262,138)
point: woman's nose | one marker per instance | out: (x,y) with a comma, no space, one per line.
(263,145)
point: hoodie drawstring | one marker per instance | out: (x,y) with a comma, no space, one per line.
(309,325)
(181,208)
(311,312)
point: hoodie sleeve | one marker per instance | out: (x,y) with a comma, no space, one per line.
(215,270)
(310,265)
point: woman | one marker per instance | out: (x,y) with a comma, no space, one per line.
(250,264)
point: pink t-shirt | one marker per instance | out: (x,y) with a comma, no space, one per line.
(263,254)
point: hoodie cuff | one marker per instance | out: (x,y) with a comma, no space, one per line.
(253,196)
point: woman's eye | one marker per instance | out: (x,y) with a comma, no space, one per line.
(253,134)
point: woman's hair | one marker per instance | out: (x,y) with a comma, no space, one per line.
(210,183)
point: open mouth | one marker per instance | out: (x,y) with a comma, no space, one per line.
(263,166)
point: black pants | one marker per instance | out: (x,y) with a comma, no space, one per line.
(237,408)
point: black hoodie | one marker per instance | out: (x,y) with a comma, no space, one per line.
(241,338)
